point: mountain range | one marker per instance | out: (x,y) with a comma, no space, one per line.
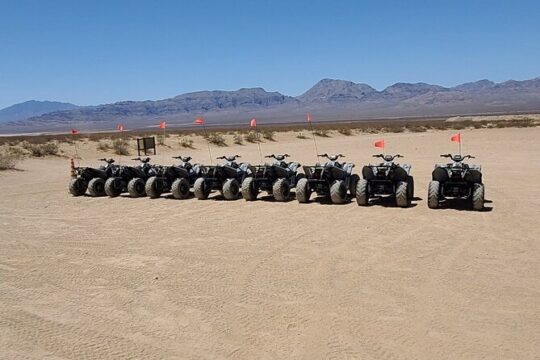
(327,100)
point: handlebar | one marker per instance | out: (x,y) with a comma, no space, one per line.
(183,158)
(108,161)
(145,160)
(228,158)
(388,157)
(457,158)
(278,156)
(331,157)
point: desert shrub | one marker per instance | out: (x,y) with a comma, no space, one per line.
(301,136)
(8,159)
(120,147)
(161,139)
(417,129)
(398,129)
(322,132)
(186,143)
(40,150)
(104,145)
(216,139)
(345,131)
(269,135)
(238,139)
(251,137)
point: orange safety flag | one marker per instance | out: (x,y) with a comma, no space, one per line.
(379,144)
(74,131)
(163,125)
(120,127)
(456,138)
(253,123)
(199,121)
(308,117)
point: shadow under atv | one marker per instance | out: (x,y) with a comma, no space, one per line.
(391,202)
(461,205)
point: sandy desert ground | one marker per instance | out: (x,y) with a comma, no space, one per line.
(100,278)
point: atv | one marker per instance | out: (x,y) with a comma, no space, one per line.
(92,179)
(130,178)
(176,179)
(332,179)
(456,180)
(225,177)
(276,178)
(386,179)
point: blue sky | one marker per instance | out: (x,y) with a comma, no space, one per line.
(92,52)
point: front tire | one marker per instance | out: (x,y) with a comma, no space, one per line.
(153,187)
(180,188)
(478,197)
(303,192)
(362,196)
(402,195)
(113,187)
(249,192)
(77,187)
(231,189)
(410,187)
(96,187)
(281,189)
(200,189)
(136,188)
(338,192)
(354,181)
(433,194)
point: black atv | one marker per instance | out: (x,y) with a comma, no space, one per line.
(332,179)
(456,180)
(92,179)
(277,178)
(130,178)
(386,179)
(225,177)
(176,179)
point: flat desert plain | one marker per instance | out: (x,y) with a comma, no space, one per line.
(100,278)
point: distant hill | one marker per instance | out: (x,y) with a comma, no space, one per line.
(32,108)
(327,100)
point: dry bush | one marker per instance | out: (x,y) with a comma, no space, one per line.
(40,150)
(322,132)
(269,135)
(120,146)
(186,143)
(8,158)
(216,139)
(104,145)
(301,136)
(238,139)
(251,137)
(345,131)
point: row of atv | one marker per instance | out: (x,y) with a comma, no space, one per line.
(333,179)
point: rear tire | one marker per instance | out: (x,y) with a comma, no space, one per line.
(249,192)
(354,181)
(303,192)
(96,187)
(136,188)
(433,194)
(180,188)
(231,189)
(478,197)
(338,192)
(200,189)
(153,187)
(113,187)
(402,194)
(281,189)
(410,187)
(77,187)
(362,196)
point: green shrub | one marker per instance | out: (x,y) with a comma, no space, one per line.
(121,147)
(345,131)
(104,145)
(40,150)
(269,135)
(238,139)
(322,132)
(8,159)
(216,139)
(251,137)
(301,136)
(186,143)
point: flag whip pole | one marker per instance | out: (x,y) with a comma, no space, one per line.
(313,135)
